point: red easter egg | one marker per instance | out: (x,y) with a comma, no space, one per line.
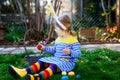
(39,47)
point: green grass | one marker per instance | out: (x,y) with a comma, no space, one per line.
(101,64)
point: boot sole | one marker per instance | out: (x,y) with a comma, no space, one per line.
(13,72)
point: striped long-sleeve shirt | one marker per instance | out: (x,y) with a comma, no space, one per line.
(64,61)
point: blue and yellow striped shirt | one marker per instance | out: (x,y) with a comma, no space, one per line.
(64,61)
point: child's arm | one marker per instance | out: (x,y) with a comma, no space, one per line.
(75,52)
(49,49)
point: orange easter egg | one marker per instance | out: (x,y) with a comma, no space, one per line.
(71,73)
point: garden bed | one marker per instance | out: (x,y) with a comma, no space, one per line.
(91,35)
(21,44)
(96,35)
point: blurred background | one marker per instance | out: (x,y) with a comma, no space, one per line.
(94,21)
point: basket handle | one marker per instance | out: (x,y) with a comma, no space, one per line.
(25,42)
(41,53)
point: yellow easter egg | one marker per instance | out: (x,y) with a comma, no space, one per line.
(71,73)
(64,73)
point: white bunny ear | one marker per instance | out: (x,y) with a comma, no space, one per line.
(55,17)
(60,24)
(50,9)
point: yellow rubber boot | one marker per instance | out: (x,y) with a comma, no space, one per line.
(16,72)
(32,77)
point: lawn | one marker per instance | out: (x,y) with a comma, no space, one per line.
(100,64)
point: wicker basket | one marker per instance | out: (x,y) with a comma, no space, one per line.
(32,58)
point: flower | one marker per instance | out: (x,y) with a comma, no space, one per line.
(112,30)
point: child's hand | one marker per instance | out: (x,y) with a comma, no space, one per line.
(66,51)
(40,47)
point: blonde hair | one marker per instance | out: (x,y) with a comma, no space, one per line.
(66,21)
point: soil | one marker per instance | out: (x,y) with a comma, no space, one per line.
(34,43)
(16,44)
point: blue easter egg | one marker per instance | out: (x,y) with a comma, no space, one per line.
(65,78)
(78,76)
